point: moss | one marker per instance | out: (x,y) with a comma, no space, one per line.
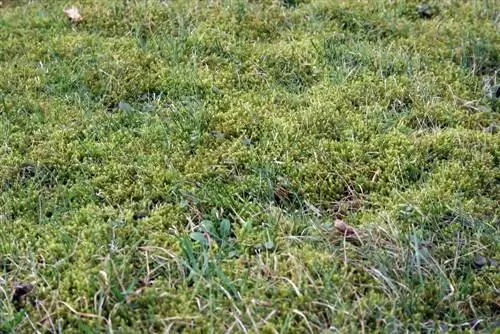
(124,134)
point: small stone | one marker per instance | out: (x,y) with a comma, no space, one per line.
(479,261)
(493,263)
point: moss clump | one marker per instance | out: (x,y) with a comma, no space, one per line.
(177,165)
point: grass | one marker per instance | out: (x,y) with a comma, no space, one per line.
(178,165)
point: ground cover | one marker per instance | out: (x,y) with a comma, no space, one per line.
(180,165)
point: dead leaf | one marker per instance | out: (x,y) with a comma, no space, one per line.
(350,234)
(73,14)
(341,226)
(20,292)
(282,195)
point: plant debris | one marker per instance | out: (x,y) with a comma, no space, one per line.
(349,233)
(342,227)
(20,292)
(73,14)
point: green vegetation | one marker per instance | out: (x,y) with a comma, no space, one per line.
(178,165)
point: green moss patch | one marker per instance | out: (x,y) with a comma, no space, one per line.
(179,165)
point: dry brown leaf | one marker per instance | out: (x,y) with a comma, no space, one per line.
(350,234)
(20,292)
(73,14)
(341,226)
(282,194)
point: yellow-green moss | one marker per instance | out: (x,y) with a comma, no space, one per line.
(150,120)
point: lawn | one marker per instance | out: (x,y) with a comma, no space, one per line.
(267,166)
